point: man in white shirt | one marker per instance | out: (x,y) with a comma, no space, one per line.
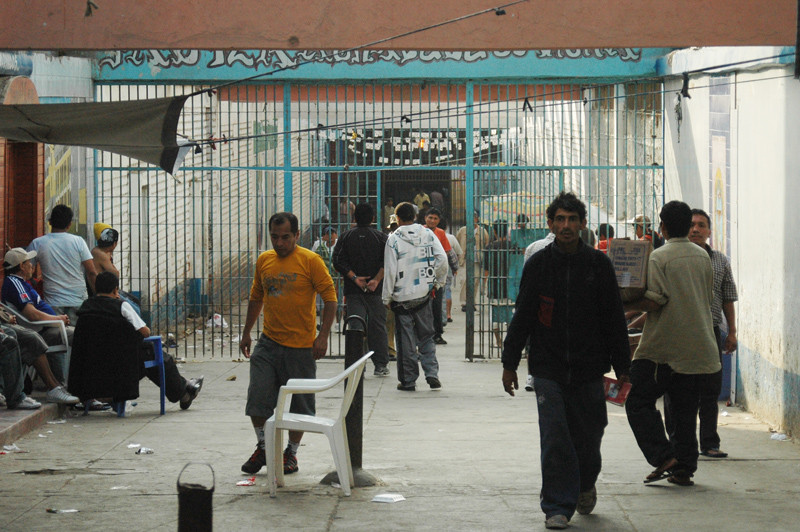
(66,264)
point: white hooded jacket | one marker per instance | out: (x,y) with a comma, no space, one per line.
(413,263)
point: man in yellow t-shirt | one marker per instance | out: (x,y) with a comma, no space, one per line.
(285,286)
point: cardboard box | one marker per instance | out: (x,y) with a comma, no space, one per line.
(630,264)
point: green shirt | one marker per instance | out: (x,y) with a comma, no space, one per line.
(681,332)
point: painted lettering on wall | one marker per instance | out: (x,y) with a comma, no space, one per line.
(287,59)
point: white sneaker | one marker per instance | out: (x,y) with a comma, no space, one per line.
(62,396)
(336,327)
(2,400)
(27,403)
(529,384)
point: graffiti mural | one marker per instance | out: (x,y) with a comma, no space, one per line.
(330,64)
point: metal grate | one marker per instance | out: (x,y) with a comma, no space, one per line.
(188,244)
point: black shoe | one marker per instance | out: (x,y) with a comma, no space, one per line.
(439,341)
(289,462)
(449,320)
(256,461)
(192,389)
(406,388)
(434,383)
(463,308)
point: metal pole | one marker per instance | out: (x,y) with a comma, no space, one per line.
(354,421)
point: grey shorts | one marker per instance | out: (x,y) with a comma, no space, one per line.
(271,365)
(31,344)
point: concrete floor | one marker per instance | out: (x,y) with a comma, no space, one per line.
(464,458)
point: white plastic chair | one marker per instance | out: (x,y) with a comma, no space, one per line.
(37,326)
(334,429)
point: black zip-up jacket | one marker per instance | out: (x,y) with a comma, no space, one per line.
(570,308)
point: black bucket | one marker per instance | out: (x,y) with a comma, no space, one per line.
(195,508)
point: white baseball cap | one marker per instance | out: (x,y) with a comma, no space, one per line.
(16,256)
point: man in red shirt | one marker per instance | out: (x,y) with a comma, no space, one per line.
(432,222)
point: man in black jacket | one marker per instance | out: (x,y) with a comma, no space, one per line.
(570,308)
(358,256)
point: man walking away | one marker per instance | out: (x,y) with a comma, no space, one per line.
(676,352)
(358,256)
(414,264)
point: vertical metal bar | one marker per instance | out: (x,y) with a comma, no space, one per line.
(288,185)
(470,180)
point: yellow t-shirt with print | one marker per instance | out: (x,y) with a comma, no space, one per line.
(288,288)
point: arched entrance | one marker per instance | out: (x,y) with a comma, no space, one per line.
(21,174)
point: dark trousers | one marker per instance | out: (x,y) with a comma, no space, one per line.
(649,382)
(710,388)
(175,384)
(371,308)
(572,419)
(436,303)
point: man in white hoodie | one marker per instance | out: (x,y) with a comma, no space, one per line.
(414,264)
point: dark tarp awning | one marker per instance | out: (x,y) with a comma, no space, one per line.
(143,129)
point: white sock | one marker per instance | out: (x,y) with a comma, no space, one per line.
(293,446)
(260,436)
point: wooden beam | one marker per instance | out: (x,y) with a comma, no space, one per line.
(342,24)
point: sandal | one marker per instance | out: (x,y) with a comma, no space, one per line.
(714,453)
(681,478)
(662,472)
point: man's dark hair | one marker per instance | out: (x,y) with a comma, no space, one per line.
(105,283)
(605,230)
(13,269)
(434,210)
(364,214)
(677,218)
(522,218)
(405,212)
(701,212)
(280,218)
(500,228)
(569,202)
(60,217)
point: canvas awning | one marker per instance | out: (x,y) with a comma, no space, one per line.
(143,129)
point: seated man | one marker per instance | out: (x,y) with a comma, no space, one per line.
(12,375)
(52,368)
(99,362)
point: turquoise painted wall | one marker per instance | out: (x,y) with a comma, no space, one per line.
(371,65)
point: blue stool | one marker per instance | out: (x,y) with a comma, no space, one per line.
(158,361)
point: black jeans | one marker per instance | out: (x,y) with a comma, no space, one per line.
(436,302)
(572,419)
(175,384)
(710,388)
(649,382)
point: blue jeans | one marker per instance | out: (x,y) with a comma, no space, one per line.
(414,330)
(572,419)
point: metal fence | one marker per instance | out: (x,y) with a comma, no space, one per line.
(188,244)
